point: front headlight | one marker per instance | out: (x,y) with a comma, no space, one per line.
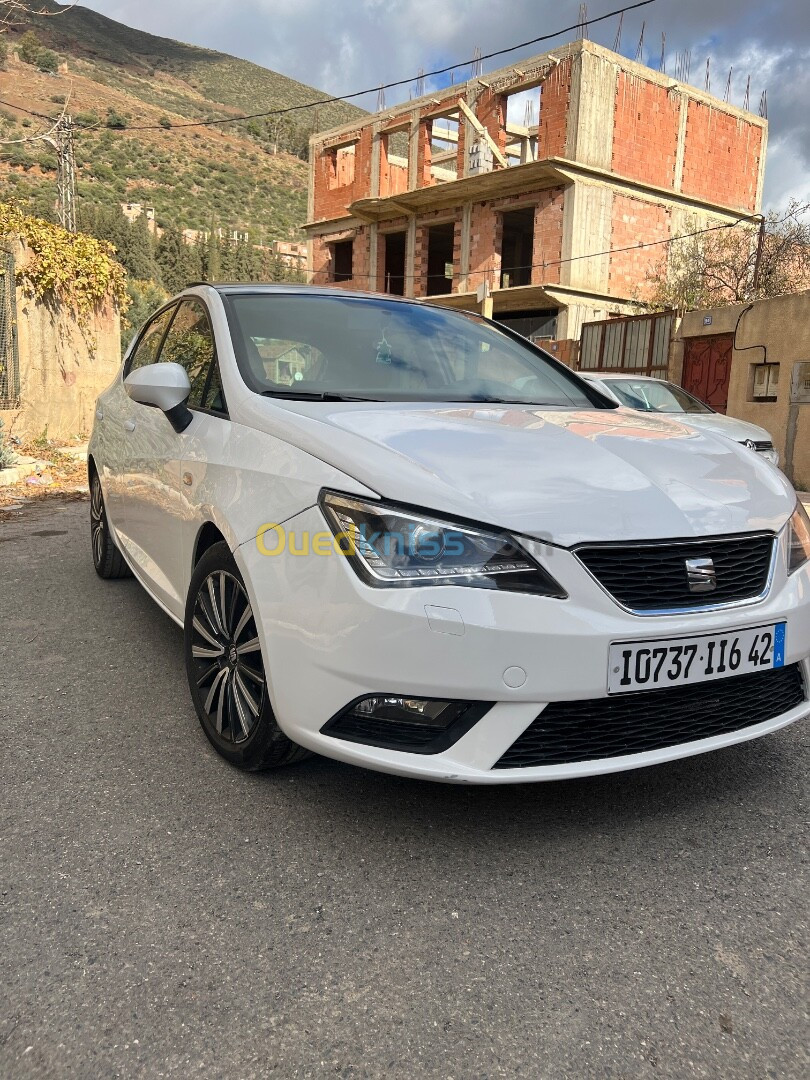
(390,547)
(798,538)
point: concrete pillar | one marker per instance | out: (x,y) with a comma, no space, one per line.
(410,256)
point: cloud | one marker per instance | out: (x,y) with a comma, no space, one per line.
(345,45)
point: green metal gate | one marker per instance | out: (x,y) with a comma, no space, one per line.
(9,357)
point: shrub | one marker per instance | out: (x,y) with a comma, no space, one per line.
(115,120)
(165,122)
(3,53)
(58,99)
(47,61)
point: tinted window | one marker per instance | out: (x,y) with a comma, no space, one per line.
(190,343)
(388,350)
(147,348)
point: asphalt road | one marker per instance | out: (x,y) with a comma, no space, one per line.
(165,915)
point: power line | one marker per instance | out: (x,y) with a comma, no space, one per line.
(396,83)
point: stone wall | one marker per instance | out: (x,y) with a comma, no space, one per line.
(63,368)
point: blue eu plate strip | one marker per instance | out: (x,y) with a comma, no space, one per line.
(779,644)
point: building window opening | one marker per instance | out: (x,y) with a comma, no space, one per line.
(444,148)
(517,248)
(394,282)
(342,254)
(521,126)
(440,259)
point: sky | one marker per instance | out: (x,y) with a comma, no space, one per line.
(344,45)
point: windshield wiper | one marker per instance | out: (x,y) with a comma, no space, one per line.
(316,395)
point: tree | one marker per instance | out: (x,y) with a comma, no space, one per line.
(29,47)
(136,249)
(145,297)
(172,259)
(733,265)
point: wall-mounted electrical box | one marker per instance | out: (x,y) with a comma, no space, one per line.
(800,383)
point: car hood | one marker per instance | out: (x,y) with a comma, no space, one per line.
(730,426)
(560,475)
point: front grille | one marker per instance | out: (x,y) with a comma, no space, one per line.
(758,445)
(650,575)
(570,731)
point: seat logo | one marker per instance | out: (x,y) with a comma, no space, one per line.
(701,575)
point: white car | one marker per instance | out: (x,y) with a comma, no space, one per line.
(646,394)
(407,538)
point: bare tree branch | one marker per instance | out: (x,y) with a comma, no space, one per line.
(719,268)
(23,9)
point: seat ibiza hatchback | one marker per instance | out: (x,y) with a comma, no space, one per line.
(407,538)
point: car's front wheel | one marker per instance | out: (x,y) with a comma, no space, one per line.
(225,668)
(107,558)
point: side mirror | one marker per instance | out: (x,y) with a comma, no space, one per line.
(165,387)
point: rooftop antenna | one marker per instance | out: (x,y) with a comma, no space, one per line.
(747,98)
(640,49)
(477,66)
(728,85)
(617,41)
(582,29)
(763,105)
(707,83)
(663,64)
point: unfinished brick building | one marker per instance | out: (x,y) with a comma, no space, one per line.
(434,197)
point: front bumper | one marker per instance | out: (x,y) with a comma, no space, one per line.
(328,639)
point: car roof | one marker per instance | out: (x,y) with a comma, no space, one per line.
(231,288)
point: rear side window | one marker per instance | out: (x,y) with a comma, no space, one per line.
(147,348)
(190,343)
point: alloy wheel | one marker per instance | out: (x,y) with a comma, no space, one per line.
(98,521)
(227,657)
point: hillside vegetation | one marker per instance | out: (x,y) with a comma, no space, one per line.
(247,174)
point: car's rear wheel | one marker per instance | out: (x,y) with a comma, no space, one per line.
(225,668)
(107,558)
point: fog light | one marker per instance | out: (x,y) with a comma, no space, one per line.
(415,725)
(437,714)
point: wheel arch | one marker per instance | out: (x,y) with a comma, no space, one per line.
(207,535)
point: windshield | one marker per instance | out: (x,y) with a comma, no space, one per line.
(332,347)
(652,395)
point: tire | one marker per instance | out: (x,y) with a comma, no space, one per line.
(107,557)
(225,668)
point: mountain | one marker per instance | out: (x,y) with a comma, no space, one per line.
(113,78)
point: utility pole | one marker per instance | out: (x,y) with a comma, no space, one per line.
(62,142)
(758,257)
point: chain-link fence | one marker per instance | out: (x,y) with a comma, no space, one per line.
(9,358)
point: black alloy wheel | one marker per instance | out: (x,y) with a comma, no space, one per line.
(226,670)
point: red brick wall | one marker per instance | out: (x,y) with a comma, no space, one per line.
(548,229)
(645,134)
(393,178)
(485,249)
(333,195)
(361,268)
(635,221)
(721,158)
(553,120)
(491,111)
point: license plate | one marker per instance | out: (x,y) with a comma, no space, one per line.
(649,665)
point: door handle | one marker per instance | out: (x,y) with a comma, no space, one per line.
(129,425)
